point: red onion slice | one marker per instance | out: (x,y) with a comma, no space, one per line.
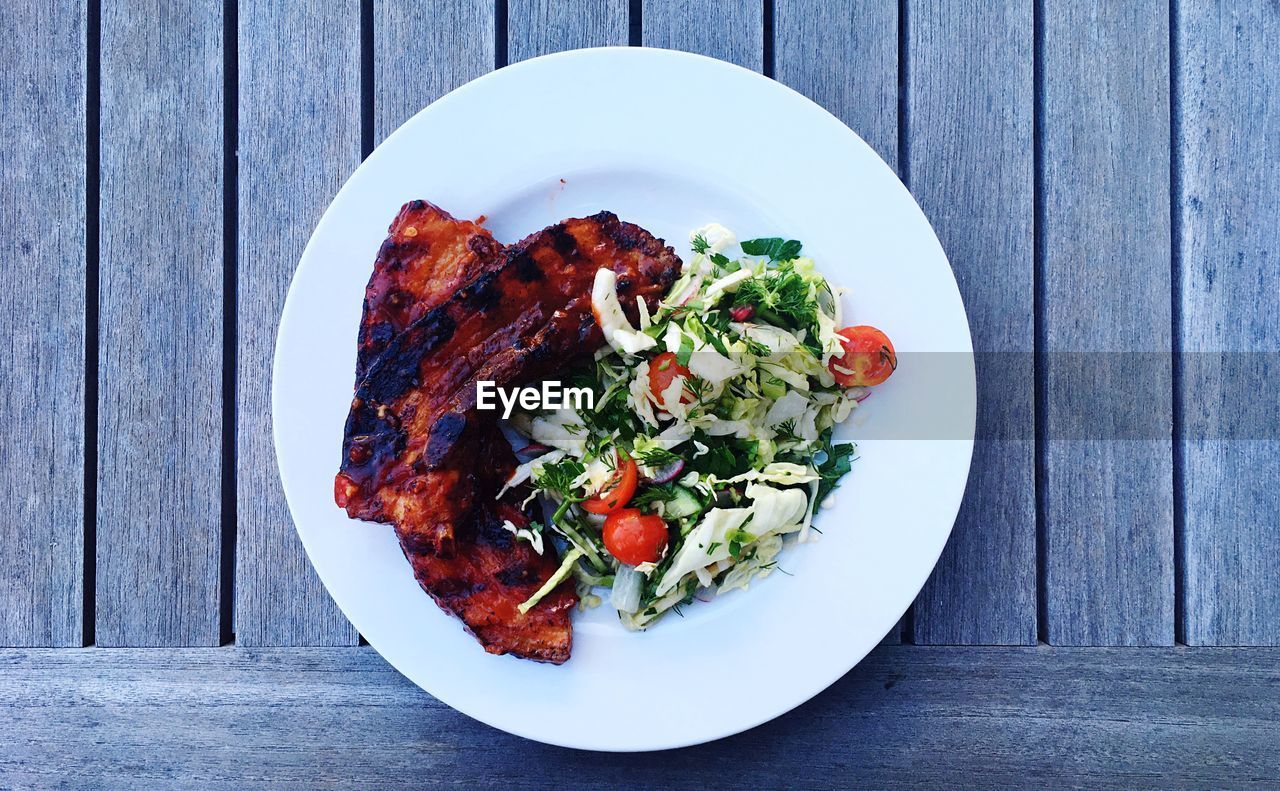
(668,473)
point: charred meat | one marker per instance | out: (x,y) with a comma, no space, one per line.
(448,306)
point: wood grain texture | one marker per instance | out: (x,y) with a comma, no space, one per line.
(299,130)
(1108,516)
(1228,122)
(970,110)
(423,50)
(160,364)
(731,30)
(540,27)
(42,323)
(844,57)
(907,716)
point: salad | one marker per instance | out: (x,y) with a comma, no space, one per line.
(709,447)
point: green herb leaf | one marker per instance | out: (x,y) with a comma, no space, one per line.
(718,461)
(658,493)
(774,247)
(780,297)
(787,431)
(700,387)
(836,466)
(559,476)
(655,457)
(737,539)
(717,344)
(700,244)
(725,458)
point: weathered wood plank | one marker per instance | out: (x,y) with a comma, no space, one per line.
(539,27)
(160,364)
(42,324)
(423,50)
(1228,122)
(299,130)
(907,716)
(731,30)
(970,109)
(1108,515)
(845,58)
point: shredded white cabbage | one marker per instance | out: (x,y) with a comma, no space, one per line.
(525,471)
(733,453)
(726,284)
(618,332)
(534,537)
(639,395)
(704,546)
(709,364)
(717,237)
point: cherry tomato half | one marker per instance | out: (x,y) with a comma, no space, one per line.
(868,356)
(618,491)
(635,538)
(664,368)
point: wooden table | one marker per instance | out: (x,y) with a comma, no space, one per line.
(1105,176)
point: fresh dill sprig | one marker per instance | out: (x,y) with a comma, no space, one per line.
(700,387)
(774,565)
(657,493)
(787,431)
(558,477)
(780,297)
(655,457)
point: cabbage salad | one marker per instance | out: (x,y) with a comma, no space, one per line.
(709,446)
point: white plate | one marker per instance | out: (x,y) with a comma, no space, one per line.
(669,141)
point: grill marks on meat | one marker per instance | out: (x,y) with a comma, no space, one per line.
(418,454)
(412,417)
(492,573)
(427,256)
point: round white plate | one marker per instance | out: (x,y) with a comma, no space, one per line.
(669,141)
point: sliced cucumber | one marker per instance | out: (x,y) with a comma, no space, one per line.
(684,503)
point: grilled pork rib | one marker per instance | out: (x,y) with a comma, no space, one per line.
(417,453)
(427,256)
(415,409)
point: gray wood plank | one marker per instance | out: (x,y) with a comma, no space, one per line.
(160,364)
(907,716)
(539,27)
(731,30)
(845,58)
(1228,122)
(970,109)
(299,130)
(42,324)
(423,50)
(1108,515)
